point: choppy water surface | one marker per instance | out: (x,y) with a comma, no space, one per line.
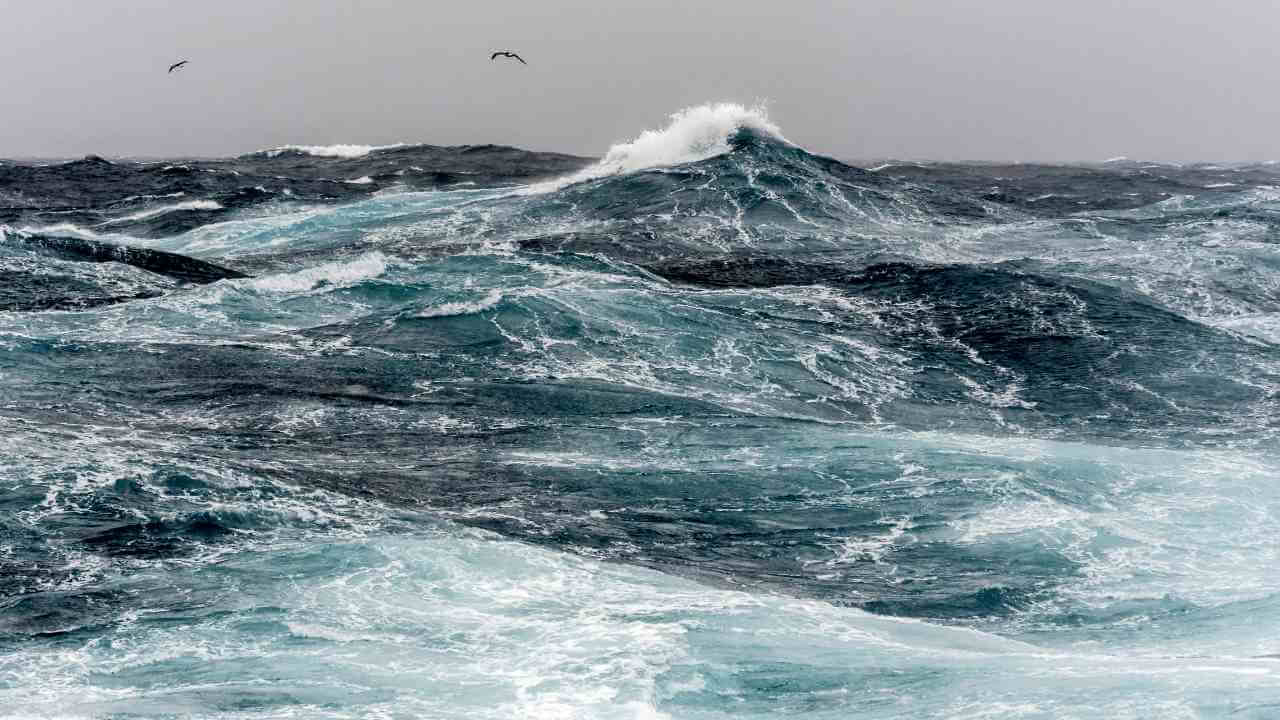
(713,427)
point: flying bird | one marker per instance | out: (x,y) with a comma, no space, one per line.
(177,65)
(504,53)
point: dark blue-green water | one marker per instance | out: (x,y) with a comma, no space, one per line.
(713,427)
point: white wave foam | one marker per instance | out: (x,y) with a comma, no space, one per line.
(463,308)
(134,198)
(1264,326)
(693,134)
(191,205)
(885,166)
(346,152)
(857,548)
(70,230)
(341,274)
(366,180)
(59,229)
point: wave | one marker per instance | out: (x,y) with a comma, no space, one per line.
(347,152)
(58,230)
(191,205)
(334,274)
(139,198)
(72,272)
(692,134)
(451,309)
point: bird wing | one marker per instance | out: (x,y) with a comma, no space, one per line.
(522,62)
(494,56)
(177,65)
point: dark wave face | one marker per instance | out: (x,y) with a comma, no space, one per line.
(710,427)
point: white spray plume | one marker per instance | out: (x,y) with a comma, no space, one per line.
(693,134)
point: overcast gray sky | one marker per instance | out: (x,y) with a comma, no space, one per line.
(945,79)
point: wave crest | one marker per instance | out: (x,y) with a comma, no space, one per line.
(347,152)
(339,273)
(452,309)
(693,134)
(153,212)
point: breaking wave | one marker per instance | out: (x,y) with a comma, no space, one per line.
(693,134)
(329,151)
(191,205)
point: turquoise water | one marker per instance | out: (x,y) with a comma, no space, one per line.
(713,428)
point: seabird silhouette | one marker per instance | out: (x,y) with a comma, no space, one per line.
(177,65)
(509,54)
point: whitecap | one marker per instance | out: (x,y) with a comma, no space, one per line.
(59,229)
(135,198)
(463,308)
(347,152)
(191,205)
(340,273)
(693,134)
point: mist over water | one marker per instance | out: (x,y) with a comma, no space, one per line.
(711,426)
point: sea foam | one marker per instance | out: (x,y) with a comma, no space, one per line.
(340,273)
(191,205)
(692,134)
(451,309)
(335,151)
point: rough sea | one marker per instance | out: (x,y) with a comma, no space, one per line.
(711,427)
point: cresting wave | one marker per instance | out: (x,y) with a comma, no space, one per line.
(189,205)
(330,151)
(711,427)
(693,134)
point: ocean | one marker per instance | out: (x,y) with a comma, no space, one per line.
(713,426)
